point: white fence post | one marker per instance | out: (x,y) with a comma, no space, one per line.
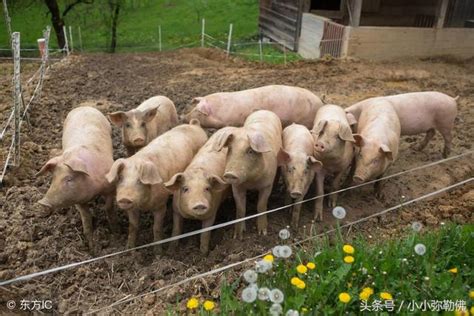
(7,20)
(284,53)
(66,42)
(159,37)
(260,49)
(80,37)
(229,39)
(70,37)
(16,96)
(203,26)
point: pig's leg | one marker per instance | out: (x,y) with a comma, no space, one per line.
(110,212)
(318,204)
(240,201)
(378,188)
(446,133)
(295,213)
(133,221)
(159,216)
(205,237)
(348,180)
(86,218)
(263,196)
(336,184)
(429,135)
(177,228)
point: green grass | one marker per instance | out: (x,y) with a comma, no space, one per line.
(390,266)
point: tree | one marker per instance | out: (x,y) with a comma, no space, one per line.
(115,10)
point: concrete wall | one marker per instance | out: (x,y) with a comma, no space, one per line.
(371,42)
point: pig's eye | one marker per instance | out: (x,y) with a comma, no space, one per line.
(68,179)
(127,125)
(184,189)
(208,189)
(250,151)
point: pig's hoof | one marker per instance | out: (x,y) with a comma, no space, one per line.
(262,232)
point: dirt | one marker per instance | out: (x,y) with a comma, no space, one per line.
(33,240)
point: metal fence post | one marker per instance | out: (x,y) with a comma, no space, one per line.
(70,37)
(203,25)
(229,39)
(80,37)
(66,42)
(159,37)
(260,48)
(16,96)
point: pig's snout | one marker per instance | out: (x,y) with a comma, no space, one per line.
(199,208)
(139,141)
(357,180)
(231,177)
(319,147)
(125,203)
(44,202)
(296,194)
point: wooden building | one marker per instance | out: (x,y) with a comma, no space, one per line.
(371,29)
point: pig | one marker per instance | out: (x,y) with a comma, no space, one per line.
(140,179)
(378,138)
(141,125)
(291,104)
(334,147)
(251,162)
(199,190)
(298,165)
(79,172)
(418,112)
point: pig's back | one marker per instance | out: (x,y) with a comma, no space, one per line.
(267,123)
(87,126)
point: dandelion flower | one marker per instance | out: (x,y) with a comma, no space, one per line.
(453,270)
(311,265)
(348,259)
(209,305)
(276,296)
(277,251)
(304,310)
(292,312)
(302,269)
(263,294)
(285,251)
(386,296)
(250,276)
(263,266)
(339,212)
(295,280)
(348,249)
(472,310)
(249,294)
(364,296)
(284,234)
(192,303)
(368,290)
(301,285)
(420,249)
(268,258)
(344,297)
(276,309)
(416,226)
(461,312)
(471,294)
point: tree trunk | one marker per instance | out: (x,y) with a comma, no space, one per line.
(57,21)
(115,15)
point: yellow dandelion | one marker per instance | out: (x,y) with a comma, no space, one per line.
(461,312)
(348,259)
(268,258)
(348,249)
(386,296)
(301,285)
(364,296)
(295,281)
(344,297)
(472,310)
(301,269)
(311,265)
(368,290)
(192,303)
(304,310)
(209,305)
(471,294)
(453,270)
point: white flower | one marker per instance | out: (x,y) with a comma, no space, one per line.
(442,224)
(276,309)
(339,212)
(317,253)
(263,266)
(285,251)
(250,276)
(292,312)
(253,286)
(276,296)
(384,272)
(380,252)
(249,294)
(364,271)
(416,226)
(263,294)
(427,278)
(405,260)
(420,249)
(284,234)
(276,251)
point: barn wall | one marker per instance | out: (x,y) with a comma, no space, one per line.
(393,42)
(459,11)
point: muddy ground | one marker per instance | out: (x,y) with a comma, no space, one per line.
(33,240)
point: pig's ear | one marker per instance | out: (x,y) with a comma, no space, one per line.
(259,143)
(223,140)
(283,157)
(345,133)
(204,107)
(217,183)
(150,114)
(114,172)
(359,140)
(386,151)
(351,118)
(77,165)
(49,166)
(117,118)
(319,127)
(314,164)
(149,174)
(175,182)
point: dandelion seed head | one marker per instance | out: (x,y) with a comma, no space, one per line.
(339,212)
(276,309)
(420,249)
(250,276)
(416,226)
(284,234)
(263,266)
(292,312)
(364,271)
(276,296)
(249,294)
(263,294)
(276,251)
(285,251)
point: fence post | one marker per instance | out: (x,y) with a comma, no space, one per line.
(16,96)
(70,36)
(159,37)
(203,26)
(284,53)
(260,49)
(66,42)
(229,39)
(7,20)
(80,37)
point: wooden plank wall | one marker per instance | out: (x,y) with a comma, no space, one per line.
(458,12)
(280,20)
